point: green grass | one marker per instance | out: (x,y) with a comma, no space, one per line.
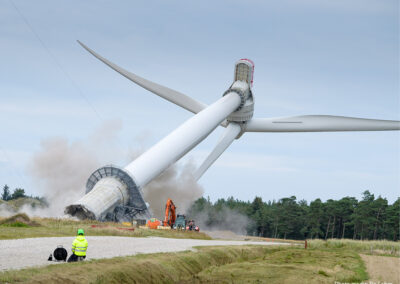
(292,265)
(323,273)
(15,224)
(386,248)
(51,227)
(237,264)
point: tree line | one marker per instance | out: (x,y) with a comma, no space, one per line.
(369,218)
(6,195)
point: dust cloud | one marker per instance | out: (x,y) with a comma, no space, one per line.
(61,168)
(177,184)
(221,219)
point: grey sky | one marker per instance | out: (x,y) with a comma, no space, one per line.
(311,57)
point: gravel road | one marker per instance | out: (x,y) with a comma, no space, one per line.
(22,253)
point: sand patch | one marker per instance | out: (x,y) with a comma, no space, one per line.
(382,268)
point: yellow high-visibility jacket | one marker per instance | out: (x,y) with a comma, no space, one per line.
(79,246)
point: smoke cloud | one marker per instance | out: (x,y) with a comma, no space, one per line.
(61,168)
(223,219)
(179,185)
(5,209)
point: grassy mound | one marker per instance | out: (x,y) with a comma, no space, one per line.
(19,203)
(237,264)
(19,220)
(14,206)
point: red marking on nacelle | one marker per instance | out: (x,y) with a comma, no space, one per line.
(249,60)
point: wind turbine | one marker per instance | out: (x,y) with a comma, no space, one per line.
(113,193)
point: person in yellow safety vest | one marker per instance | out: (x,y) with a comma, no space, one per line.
(79,247)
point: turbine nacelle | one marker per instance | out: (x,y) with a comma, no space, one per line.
(243,81)
(244,71)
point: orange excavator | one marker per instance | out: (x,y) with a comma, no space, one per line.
(170,215)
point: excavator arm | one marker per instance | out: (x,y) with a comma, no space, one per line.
(170,215)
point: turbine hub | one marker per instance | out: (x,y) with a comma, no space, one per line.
(246,109)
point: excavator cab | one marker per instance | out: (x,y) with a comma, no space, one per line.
(180,223)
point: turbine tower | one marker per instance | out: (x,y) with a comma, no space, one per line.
(115,194)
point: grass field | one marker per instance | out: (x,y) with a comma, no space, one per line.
(20,226)
(383,248)
(249,264)
(323,261)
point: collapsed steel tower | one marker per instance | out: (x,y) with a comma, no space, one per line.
(111,195)
(114,194)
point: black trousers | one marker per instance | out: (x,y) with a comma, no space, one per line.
(74,258)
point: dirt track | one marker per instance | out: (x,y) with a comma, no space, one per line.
(382,268)
(21,253)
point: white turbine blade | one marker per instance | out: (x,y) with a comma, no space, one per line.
(231,132)
(319,123)
(170,95)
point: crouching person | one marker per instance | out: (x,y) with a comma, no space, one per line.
(79,247)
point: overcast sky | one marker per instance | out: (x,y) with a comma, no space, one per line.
(311,57)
